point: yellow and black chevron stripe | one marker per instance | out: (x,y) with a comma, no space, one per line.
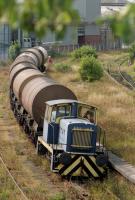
(84,166)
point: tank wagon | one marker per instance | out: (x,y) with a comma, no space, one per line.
(60,125)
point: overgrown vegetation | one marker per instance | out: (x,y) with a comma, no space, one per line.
(116,114)
(39,16)
(132,53)
(14,50)
(62,67)
(59,196)
(84,51)
(90,69)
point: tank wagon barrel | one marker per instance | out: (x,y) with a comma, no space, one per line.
(18,69)
(40,90)
(36,56)
(31,87)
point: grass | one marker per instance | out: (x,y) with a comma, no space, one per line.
(116,115)
(115,103)
(7,187)
(116,111)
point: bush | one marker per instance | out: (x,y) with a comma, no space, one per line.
(84,51)
(59,196)
(14,50)
(132,53)
(61,67)
(90,69)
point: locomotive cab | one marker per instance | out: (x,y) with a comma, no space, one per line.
(66,118)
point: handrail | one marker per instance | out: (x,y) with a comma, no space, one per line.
(101,138)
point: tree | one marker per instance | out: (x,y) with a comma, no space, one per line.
(90,69)
(39,16)
(123,23)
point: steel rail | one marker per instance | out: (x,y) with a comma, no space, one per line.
(121,75)
(12,178)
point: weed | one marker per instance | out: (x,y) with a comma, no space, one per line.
(61,67)
(83,52)
(59,196)
(90,69)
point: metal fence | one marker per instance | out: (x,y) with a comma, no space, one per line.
(5,38)
(103,46)
(4,52)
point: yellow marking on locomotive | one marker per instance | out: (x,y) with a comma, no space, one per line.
(94,161)
(94,173)
(80,171)
(71,167)
(59,166)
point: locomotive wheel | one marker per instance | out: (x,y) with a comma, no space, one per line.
(35,140)
(41,149)
(21,121)
(26,129)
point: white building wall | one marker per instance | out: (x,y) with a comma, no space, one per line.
(49,37)
(93,10)
(70,36)
(80,6)
(88,10)
(92,29)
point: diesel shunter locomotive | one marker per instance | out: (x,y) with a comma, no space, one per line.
(60,125)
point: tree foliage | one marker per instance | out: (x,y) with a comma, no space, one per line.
(62,67)
(83,51)
(90,69)
(39,16)
(132,52)
(14,50)
(123,23)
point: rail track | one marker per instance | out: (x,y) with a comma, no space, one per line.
(121,76)
(120,165)
(12,178)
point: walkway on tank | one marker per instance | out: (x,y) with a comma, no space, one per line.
(123,167)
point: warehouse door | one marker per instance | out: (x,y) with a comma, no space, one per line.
(81,40)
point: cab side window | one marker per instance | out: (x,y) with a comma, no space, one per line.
(60,111)
(48,113)
(53,116)
(86,113)
(63,111)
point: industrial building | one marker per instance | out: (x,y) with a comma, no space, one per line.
(87,32)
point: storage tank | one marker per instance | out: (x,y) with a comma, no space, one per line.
(17,69)
(22,79)
(40,90)
(36,56)
(31,87)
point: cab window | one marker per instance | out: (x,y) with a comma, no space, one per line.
(63,110)
(53,116)
(60,111)
(48,113)
(87,112)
